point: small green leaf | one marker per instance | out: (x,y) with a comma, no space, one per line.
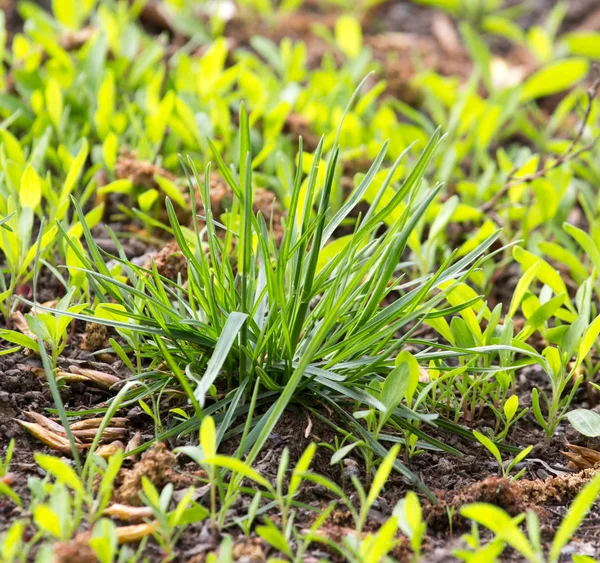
(340,454)
(382,474)
(54,101)
(489,445)
(171,190)
(545,272)
(273,536)
(590,337)
(21,339)
(510,407)
(395,386)
(522,287)
(301,468)
(147,199)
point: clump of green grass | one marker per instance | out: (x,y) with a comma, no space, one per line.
(266,324)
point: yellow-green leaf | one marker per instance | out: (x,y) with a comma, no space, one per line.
(60,470)
(238,466)
(171,190)
(46,519)
(584,43)
(54,101)
(208,437)
(554,77)
(30,189)
(545,273)
(348,35)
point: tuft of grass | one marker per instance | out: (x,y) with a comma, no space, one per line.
(295,320)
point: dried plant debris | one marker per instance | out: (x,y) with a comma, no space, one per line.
(77,550)
(169,261)
(139,172)
(515,497)
(95,337)
(156,465)
(84,432)
(93,377)
(128,513)
(581,458)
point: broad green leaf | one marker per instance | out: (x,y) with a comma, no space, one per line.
(405,358)
(106,105)
(273,536)
(522,287)
(562,255)
(394,387)
(540,43)
(12,147)
(226,340)
(122,186)
(110,148)
(21,339)
(74,264)
(72,178)
(586,242)
(585,421)
(48,239)
(590,338)
(340,454)
(541,315)
(66,12)
(511,406)
(147,200)
(520,456)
